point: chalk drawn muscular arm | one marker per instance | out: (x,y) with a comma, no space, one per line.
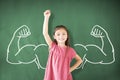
(17,54)
(99,32)
(106,50)
(14,45)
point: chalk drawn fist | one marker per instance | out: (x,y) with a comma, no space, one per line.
(23,31)
(98,31)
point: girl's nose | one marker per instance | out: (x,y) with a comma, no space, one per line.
(61,36)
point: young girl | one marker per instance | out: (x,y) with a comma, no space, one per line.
(60,53)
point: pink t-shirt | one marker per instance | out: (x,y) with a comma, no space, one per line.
(58,64)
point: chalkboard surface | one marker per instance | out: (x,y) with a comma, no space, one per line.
(94,34)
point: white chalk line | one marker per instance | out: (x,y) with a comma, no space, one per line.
(24,32)
(96,32)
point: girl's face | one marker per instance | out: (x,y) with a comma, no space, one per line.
(60,36)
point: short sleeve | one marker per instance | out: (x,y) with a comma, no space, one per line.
(72,53)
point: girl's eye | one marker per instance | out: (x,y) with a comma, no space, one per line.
(64,34)
(58,34)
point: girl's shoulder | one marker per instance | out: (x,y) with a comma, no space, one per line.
(53,45)
(71,49)
(71,52)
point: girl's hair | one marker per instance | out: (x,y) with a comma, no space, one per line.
(63,27)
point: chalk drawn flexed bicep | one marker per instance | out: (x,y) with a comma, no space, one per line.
(16,54)
(106,44)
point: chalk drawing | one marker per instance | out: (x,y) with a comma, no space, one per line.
(98,32)
(22,32)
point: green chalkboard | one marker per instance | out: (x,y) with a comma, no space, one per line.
(94,34)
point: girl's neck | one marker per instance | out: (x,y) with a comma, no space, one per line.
(62,45)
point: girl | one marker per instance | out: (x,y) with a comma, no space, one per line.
(60,53)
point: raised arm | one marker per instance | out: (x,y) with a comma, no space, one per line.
(48,40)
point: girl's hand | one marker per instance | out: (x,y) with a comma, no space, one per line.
(47,13)
(70,70)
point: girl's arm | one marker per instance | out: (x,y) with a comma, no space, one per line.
(78,62)
(47,14)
